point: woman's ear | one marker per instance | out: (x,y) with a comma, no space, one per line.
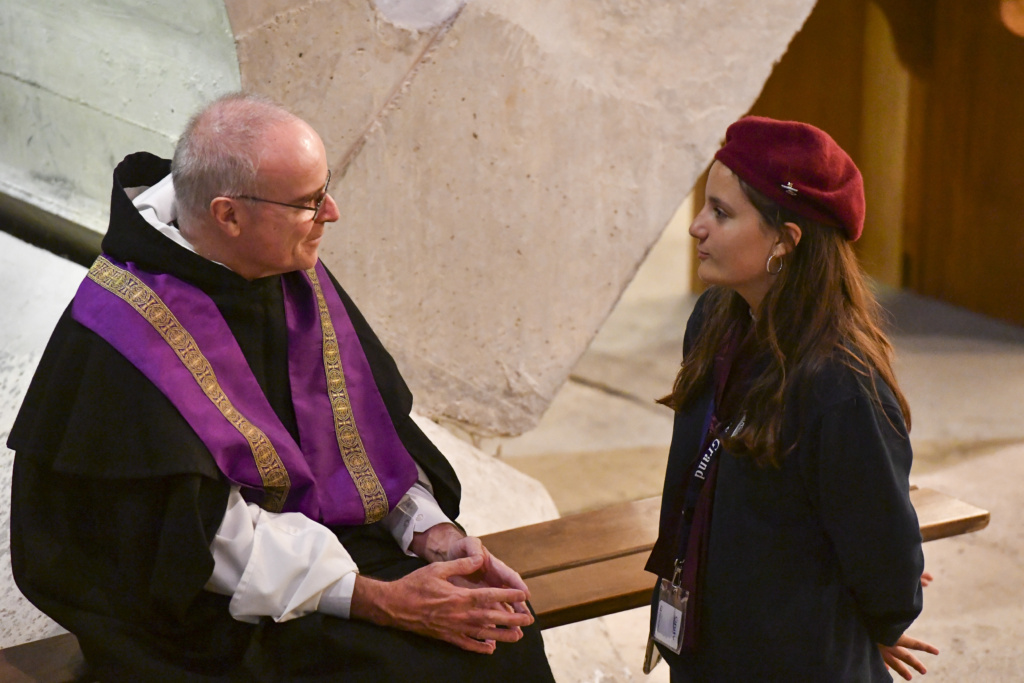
(791,234)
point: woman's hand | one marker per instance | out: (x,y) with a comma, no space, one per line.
(926,578)
(898,656)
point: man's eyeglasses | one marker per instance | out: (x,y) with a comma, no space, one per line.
(315,209)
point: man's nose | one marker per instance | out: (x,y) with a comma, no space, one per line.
(329,212)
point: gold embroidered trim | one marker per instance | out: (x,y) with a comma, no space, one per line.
(145,301)
(375,500)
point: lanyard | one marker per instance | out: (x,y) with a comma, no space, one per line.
(712,443)
(697,478)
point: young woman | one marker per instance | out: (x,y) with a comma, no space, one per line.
(788,547)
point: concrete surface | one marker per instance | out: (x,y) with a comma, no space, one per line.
(535,149)
(36,286)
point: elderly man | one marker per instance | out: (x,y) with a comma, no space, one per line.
(216,474)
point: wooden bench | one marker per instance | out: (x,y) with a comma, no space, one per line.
(51,660)
(591,564)
(577,567)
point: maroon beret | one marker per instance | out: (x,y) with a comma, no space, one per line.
(799,167)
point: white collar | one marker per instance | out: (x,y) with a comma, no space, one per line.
(156,204)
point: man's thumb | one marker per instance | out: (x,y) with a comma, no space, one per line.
(464,565)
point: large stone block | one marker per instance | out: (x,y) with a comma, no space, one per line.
(506,171)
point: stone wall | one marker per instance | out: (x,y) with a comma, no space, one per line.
(82,84)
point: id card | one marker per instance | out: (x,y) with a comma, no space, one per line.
(671,619)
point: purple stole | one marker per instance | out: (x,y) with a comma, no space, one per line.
(351,467)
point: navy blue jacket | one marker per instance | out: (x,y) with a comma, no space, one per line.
(810,564)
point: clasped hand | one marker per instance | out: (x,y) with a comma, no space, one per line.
(465,596)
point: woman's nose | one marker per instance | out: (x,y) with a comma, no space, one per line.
(697,229)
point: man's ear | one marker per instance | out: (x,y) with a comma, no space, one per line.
(225,216)
(791,234)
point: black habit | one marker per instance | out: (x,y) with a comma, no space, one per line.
(116,500)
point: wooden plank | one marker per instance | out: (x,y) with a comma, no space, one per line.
(942,516)
(581,539)
(592,590)
(632,527)
(570,581)
(51,660)
(604,587)
(972,102)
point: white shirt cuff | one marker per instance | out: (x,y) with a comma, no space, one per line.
(337,600)
(416,512)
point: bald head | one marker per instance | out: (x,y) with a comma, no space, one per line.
(221,150)
(251,181)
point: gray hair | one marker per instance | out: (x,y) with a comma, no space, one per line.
(218,155)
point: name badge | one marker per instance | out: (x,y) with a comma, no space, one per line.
(670,623)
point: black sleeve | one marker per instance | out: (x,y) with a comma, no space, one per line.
(686,436)
(122,564)
(114,503)
(863,466)
(89,411)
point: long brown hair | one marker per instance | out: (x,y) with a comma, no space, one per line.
(818,308)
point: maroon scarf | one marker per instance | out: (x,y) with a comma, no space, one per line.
(700,526)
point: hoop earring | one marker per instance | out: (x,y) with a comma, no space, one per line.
(768,265)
